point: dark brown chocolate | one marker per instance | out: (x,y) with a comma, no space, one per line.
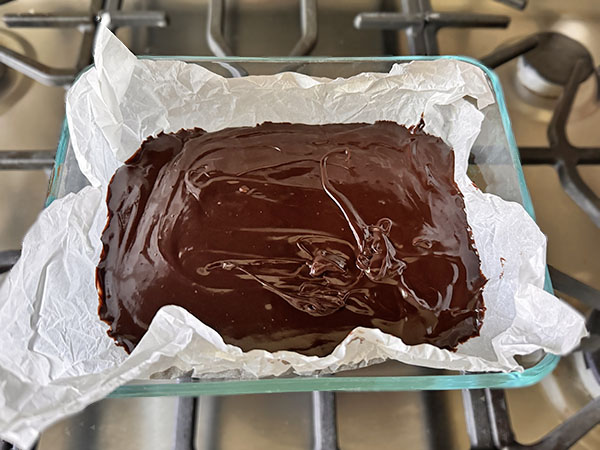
(286,237)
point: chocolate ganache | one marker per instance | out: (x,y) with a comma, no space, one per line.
(287,236)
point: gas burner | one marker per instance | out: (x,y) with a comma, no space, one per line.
(545,70)
(109,14)
(552,56)
(12,84)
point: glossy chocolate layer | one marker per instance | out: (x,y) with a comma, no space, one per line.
(286,237)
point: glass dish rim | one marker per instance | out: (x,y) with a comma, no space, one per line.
(501,380)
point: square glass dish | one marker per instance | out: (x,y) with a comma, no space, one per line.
(494,167)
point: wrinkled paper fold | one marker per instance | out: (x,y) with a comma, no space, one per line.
(55,355)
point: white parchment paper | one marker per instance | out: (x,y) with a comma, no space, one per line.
(55,355)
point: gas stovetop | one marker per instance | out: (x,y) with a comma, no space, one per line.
(544,55)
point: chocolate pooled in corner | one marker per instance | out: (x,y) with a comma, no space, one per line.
(287,236)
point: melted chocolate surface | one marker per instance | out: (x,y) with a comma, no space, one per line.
(287,236)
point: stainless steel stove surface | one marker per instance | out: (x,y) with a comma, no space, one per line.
(30,119)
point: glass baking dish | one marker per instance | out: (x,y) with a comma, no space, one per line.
(494,166)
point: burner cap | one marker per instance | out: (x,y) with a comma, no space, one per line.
(556,54)
(546,68)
